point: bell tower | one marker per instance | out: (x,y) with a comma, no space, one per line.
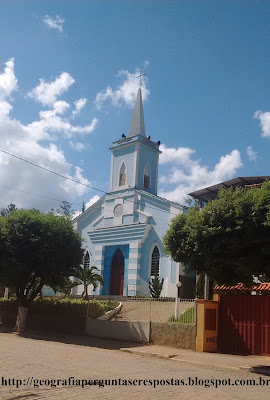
(134,160)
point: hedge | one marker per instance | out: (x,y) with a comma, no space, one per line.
(74,307)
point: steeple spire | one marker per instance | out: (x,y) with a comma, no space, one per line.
(137,120)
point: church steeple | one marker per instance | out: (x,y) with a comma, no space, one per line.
(134,162)
(137,121)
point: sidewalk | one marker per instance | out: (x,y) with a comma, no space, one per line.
(258,364)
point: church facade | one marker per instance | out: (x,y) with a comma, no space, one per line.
(123,230)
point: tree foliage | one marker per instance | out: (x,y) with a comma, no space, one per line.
(65,286)
(36,249)
(156,285)
(83,206)
(4,212)
(65,209)
(89,276)
(229,239)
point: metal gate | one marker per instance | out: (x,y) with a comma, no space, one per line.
(244,324)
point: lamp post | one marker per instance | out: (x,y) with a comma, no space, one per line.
(176,311)
(206,287)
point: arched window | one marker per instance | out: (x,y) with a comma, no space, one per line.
(146,177)
(123,175)
(86,260)
(155,261)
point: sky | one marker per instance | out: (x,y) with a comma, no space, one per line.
(68,83)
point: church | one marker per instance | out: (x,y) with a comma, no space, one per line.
(123,230)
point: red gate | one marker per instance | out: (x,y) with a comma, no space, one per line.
(244,324)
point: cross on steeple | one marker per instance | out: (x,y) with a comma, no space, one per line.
(140,77)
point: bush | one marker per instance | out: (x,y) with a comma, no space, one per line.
(187,317)
(52,305)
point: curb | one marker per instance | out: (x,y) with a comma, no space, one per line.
(112,313)
(148,354)
(256,370)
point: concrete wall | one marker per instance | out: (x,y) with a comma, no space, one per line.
(120,330)
(174,334)
(171,334)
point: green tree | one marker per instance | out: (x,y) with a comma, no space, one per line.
(229,239)
(83,206)
(8,210)
(36,249)
(156,285)
(65,286)
(88,277)
(65,209)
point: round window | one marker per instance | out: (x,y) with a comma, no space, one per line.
(118,210)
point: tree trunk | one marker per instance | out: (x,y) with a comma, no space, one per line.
(85,297)
(21,318)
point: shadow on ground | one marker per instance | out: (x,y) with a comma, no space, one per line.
(261,369)
(69,338)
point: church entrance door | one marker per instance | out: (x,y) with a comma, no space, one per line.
(117,273)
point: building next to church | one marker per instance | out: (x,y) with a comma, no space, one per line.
(123,230)
(210,193)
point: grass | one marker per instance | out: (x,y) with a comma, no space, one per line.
(187,317)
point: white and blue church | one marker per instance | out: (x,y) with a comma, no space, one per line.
(123,230)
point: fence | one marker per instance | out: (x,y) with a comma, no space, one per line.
(157,310)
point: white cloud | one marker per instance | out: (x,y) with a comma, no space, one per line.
(51,122)
(8,81)
(5,108)
(264,118)
(54,23)
(15,137)
(93,200)
(47,93)
(180,156)
(78,146)
(251,153)
(79,104)
(124,93)
(191,175)
(33,142)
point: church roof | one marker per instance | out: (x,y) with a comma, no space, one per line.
(137,120)
(98,203)
(161,198)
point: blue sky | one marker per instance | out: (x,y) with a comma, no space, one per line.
(68,84)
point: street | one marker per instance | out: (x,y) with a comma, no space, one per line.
(42,362)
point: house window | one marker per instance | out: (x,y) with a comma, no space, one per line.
(86,260)
(123,175)
(146,177)
(155,261)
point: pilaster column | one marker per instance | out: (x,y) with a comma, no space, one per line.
(134,268)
